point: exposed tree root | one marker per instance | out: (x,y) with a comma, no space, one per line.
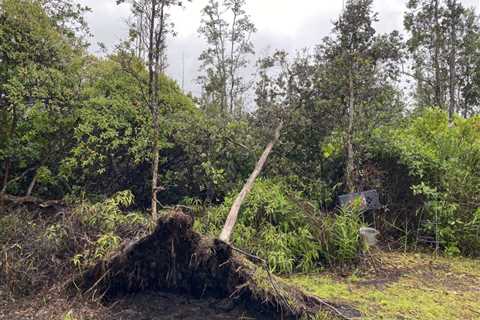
(175,258)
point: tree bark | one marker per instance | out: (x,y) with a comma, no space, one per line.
(350,166)
(6,176)
(233,214)
(156,40)
(232,72)
(436,58)
(31,186)
(453,53)
(152,104)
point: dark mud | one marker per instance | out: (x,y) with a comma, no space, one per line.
(163,306)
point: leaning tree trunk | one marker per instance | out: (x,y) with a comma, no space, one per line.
(233,214)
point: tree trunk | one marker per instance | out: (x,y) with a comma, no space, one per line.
(350,167)
(8,161)
(452,71)
(436,58)
(232,72)
(31,186)
(6,176)
(233,214)
(156,160)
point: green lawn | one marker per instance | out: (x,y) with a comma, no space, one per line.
(405,286)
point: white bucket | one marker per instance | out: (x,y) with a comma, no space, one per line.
(369,236)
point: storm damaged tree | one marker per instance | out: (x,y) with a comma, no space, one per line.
(278,95)
(150,32)
(227,28)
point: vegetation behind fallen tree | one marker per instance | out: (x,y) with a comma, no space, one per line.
(74,128)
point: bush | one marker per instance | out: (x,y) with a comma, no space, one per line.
(342,244)
(277,224)
(444,163)
(271,225)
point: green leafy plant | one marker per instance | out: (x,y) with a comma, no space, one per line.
(109,223)
(444,165)
(271,225)
(342,244)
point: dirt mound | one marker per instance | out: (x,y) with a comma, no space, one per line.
(176,259)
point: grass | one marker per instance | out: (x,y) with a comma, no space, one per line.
(407,286)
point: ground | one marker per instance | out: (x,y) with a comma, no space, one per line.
(145,306)
(390,286)
(404,286)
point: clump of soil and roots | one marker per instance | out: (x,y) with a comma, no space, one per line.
(176,259)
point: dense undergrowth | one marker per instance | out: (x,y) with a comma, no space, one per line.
(39,249)
(443,162)
(277,224)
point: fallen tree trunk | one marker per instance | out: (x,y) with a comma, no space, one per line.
(174,258)
(227,230)
(8,199)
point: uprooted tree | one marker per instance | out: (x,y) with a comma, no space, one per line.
(177,259)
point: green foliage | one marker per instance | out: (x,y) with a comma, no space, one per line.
(227,29)
(69,316)
(39,76)
(444,162)
(110,225)
(270,225)
(343,243)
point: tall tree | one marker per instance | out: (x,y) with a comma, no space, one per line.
(151,34)
(229,46)
(442,40)
(468,65)
(363,67)
(39,89)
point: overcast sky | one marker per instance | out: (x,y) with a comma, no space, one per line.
(282,24)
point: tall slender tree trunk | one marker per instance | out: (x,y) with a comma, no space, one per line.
(235,209)
(8,161)
(452,67)
(6,175)
(155,165)
(350,166)
(232,69)
(156,68)
(153,106)
(223,64)
(436,58)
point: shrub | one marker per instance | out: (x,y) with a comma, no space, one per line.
(277,224)
(345,239)
(271,225)
(37,249)
(444,163)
